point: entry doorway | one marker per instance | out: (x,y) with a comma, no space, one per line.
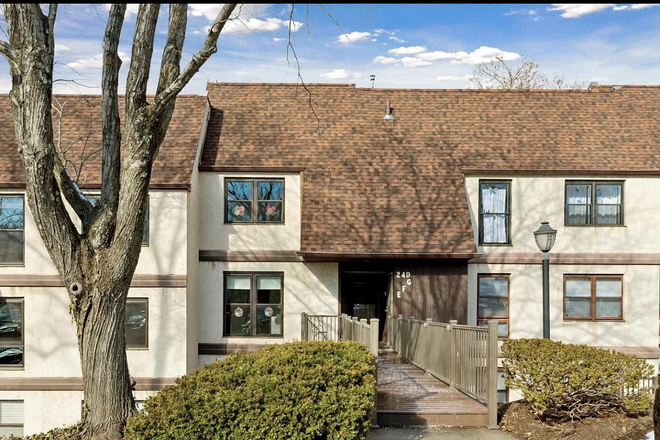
(364,295)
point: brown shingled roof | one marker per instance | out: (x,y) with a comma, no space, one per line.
(81,130)
(377,186)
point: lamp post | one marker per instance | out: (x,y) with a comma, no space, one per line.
(545,239)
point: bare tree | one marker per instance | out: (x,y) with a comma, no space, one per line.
(98,263)
(498,74)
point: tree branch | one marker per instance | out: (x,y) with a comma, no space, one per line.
(138,72)
(209,48)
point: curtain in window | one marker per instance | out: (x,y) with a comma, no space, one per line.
(494,216)
(608,204)
(578,204)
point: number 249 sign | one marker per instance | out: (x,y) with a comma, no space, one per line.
(408,282)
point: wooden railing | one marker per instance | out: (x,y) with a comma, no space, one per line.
(463,356)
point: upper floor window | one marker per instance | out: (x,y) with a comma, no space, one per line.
(493,301)
(594,203)
(136,323)
(593,297)
(11,332)
(254,201)
(494,203)
(253,304)
(12,233)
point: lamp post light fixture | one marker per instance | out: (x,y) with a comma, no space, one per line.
(545,239)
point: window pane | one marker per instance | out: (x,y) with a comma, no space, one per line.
(11,247)
(608,287)
(269,319)
(269,290)
(11,212)
(493,286)
(578,287)
(608,194)
(578,308)
(237,319)
(608,215)
(494,228)
(11,356)
(494,214)
(237,289)
(579,194)
(269,211)
(502,327)
(269,190)
(135,323)
(239,190)
(239,211)
(578,214)
(490,307)
(11,328)
(608,308)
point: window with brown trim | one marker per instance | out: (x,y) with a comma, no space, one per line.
(12,233)
(254,200)
(253,304)
(493,301)
(494,210)
(593,203)
(11,332)
(136,323)
(593,297)
(93,198)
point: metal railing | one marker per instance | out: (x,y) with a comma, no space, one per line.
(463,356)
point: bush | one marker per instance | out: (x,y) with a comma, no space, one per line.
(297,390)
(567,381)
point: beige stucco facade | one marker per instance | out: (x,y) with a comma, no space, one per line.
(608,250)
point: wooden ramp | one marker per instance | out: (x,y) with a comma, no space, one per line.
(409,396)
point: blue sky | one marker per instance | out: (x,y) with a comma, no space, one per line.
(402,45)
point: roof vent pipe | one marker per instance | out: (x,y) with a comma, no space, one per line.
(388,112)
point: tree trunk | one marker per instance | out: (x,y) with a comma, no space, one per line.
(101,341)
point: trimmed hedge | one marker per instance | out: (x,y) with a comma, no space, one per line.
(568,381)
(298,391)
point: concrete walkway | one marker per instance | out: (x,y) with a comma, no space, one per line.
(438,433)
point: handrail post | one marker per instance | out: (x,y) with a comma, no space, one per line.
(399,338)
(427,344)
(373,343)
(374,336)
(452,352)
(303,327)
(491,366)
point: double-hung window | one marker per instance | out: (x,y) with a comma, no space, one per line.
(253,304)
(594,203)
(11,418)
(254,200)
(11,332)
(494,217)
(493,301)
(136,320)
(593,297)
(12,234)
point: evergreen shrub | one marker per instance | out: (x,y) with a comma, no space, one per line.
(297,390)
(568,381)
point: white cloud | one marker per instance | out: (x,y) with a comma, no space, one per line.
(635,7)
(576,11)
(397,40)
(412,50)
(440,55)
(353,37)
(482,55)
(414,62)
(340,74)
(453,78)
(385,60)
(277,40)
(245,19)
(60,48)
(96,62)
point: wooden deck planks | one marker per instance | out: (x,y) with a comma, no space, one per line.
(409,396)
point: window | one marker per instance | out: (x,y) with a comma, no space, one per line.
(136,323)
(594,203)
(493,302)
(254,201)
(11,418)
(502,389)
(145,230)
(253,295)
(11,332)
(593,297)
(12,236)
(494,213)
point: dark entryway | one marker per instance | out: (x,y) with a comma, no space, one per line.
(364,295)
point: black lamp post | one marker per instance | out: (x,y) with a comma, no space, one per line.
(545,239)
